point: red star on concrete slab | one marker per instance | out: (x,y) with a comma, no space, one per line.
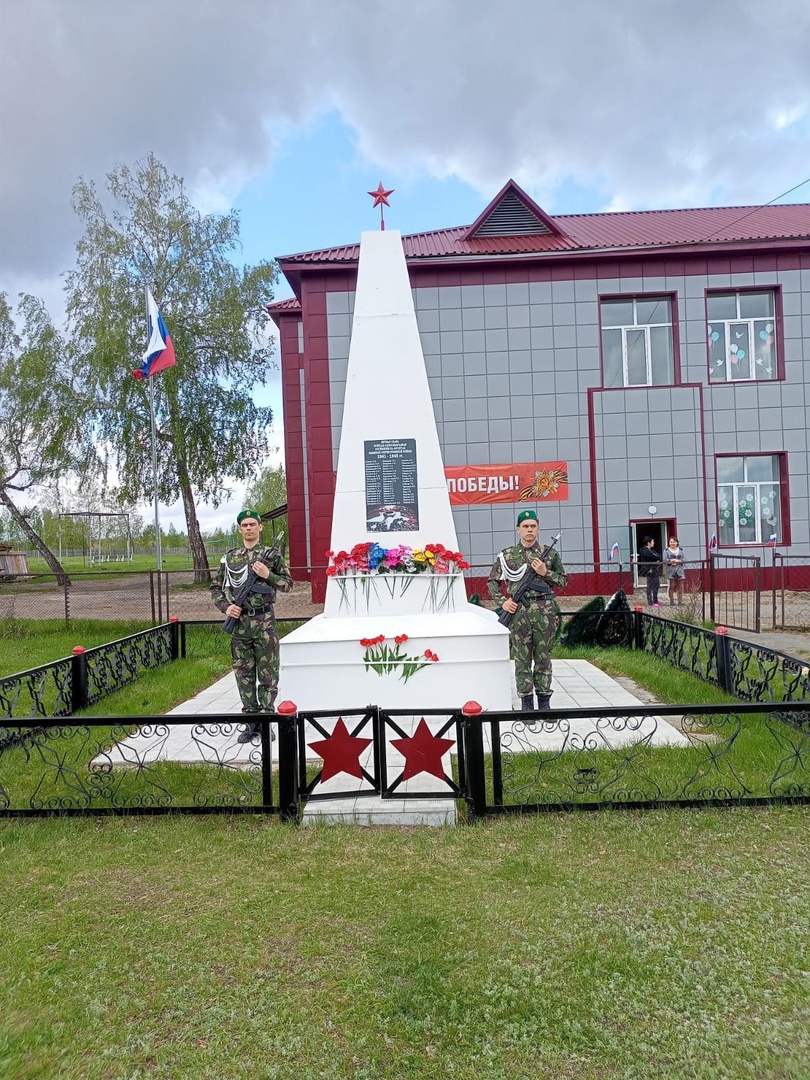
(423,752)
(340,752)
(380,196)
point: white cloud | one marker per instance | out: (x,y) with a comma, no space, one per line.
(649,102)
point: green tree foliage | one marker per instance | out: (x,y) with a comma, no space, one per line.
(145,232)
(44,432)
(269,492)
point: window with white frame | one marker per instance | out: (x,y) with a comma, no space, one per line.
(742,336)
(637,341)
(748,499)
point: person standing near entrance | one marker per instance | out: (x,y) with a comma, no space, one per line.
(534,623)
(254,642)
(674,570)
(649,567)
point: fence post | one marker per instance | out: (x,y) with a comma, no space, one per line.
(67,602)
(476,795)
(174,636)
(712,612)
(78,682)
(287,763)
(638,635)
(724,674)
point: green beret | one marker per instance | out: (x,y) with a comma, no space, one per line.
(527,515)
(248,513)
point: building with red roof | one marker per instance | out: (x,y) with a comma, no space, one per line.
(627,374)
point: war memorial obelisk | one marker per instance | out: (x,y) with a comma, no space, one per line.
(393,638)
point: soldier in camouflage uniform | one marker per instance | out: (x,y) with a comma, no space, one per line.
(254,642)
(534,622)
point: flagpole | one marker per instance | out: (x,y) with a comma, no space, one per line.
(158,552)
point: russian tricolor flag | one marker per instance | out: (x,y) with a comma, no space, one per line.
(160,350)
(772,540)
(713,542)
(614,551)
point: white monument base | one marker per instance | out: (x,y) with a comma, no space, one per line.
(324,666)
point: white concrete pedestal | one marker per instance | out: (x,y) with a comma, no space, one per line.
(323,664)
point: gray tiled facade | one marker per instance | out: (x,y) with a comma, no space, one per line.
(515,375)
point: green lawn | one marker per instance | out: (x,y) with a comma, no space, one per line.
(78,564)
(666,945)
(657,946)
(28,643)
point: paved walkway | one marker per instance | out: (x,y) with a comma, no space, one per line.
(577,685)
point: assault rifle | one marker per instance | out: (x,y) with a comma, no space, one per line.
(253,583)
(528,582)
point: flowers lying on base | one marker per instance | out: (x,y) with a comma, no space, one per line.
(371,558)
(383,658)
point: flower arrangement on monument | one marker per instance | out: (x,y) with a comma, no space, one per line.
(384,658)
(370,558)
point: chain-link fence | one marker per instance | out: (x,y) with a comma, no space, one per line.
(728,589)
(790,596)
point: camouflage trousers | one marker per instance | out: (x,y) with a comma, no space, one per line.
(534,630)
(254,651)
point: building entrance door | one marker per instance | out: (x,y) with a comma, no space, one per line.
(660,531)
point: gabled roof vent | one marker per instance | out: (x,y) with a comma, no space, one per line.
(512,213)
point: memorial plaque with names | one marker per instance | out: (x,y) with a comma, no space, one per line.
(392,489)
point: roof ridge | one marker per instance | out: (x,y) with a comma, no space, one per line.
(683,209)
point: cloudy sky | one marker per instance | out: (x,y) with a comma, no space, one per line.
(292,111)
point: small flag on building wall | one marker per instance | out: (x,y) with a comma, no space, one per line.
(614,551)
(772,539)
(713,542)
(159,353)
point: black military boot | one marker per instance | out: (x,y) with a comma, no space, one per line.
(544,702)
(527,703)
(251,732)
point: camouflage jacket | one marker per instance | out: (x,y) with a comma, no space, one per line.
(514,557)
(231,568)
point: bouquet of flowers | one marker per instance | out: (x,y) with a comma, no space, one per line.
(370,558)
(383,658)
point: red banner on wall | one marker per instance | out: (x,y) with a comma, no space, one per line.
(538,481)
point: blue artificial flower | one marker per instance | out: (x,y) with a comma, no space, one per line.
(376,556)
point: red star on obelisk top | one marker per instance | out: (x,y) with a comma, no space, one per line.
(380,197)
(340,752)
(423,752)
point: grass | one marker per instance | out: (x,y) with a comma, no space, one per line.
(27,643)
(667,683)
(621,946)
(596,947)
(77,564)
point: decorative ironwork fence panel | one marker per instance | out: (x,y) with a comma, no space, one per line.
(108,766)
(690,648)
(500,762)
(111,666)
(595,759)
(42,691)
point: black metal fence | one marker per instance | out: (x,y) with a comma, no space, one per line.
(499,762)
(53,762)
(64,687)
